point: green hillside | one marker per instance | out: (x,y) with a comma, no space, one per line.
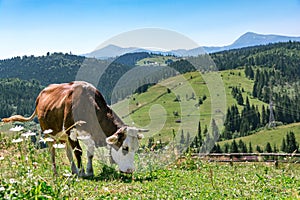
(156,107)
(273,136)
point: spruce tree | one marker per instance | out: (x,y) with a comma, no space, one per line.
(268,148)
(250,148)
(291,143)
(199,136)
(234,147)
(283,145)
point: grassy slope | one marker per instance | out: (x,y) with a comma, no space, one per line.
(160,110)
(159,60)
(274,136)
(154,109)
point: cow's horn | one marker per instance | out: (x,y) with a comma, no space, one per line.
(143,130)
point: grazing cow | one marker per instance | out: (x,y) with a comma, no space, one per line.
(77,111)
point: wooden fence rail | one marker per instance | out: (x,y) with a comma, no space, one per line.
(249,154)
(249,157)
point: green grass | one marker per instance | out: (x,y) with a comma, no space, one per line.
(26,173)
(154,108)
(237,78)
(158,60)
(273,136)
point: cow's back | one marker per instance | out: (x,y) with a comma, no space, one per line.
(51,105)
(59,106)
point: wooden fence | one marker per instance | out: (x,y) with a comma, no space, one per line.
(250,157)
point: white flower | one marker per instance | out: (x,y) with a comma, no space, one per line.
(48,139)
(17,140)
(27,134)
(67,174)
(59,146)
(12,181)
(17,128)
(2,188)
(48,131)
(1,158)
(106,189)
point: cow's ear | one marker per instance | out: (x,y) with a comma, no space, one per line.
(112,139)
(140,136)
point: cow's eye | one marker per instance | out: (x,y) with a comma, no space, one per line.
(125,150)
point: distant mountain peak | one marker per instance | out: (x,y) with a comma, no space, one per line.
(253,39)
(245,40)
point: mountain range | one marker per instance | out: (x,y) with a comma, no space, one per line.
(246,40)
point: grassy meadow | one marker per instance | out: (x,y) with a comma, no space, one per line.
(26,173)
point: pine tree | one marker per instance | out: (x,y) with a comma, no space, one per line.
(205,131)
(199,136)
(240,99)
(291,142)
(226,148)
(250,148)
(283,145)
(215,130)
(258,149)
(188,139)
(242,147)
(268,148)
(182,140)
(234,147)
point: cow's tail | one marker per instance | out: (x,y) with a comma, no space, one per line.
(19,118)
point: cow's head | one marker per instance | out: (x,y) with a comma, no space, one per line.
(127,141)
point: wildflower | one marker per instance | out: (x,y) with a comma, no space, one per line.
(17,140)
(48,139)
(67,174)
(27,134)
(2,188)
(17,128)
(1,158)
(12,181)
(48,131)
(106,189)
(59,146)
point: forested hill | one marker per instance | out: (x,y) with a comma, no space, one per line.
(53,68)
(59,67)
(284,57)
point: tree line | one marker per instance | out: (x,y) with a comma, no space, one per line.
(289,145)
(18,96)
(283,56)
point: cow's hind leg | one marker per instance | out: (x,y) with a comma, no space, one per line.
(52,154)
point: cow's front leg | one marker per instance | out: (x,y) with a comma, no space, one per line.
(89,166)
(69,151)
(78,154)
(90,145)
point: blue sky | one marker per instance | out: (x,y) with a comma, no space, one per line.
(40,26)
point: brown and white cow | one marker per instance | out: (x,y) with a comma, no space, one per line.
(60,106)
